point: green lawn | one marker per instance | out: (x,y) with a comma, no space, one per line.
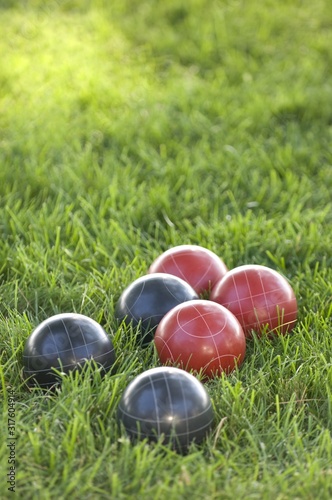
(129,127)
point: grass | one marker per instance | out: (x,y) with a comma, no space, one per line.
(131,127)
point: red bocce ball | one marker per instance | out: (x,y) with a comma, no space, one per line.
(196,265)
(260,297)
(201,335)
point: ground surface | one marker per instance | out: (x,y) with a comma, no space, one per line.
(129,127)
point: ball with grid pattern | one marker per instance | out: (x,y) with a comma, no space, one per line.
(65,342)
(261,298)
(203,336)
(147,299)
(196,265)
(166,403)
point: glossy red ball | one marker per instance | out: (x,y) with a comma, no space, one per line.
(196,265)
(201,335)
(260,297)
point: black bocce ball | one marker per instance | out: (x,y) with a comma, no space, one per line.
(65,342)
(166,402)
(146,301)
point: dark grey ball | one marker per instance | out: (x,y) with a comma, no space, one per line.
(146,301)
(65,342)
(168,402)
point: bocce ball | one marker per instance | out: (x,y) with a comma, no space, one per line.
(196,265)
(201,335)
(260,297)
(65,342)
(146,301)
(166,402)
